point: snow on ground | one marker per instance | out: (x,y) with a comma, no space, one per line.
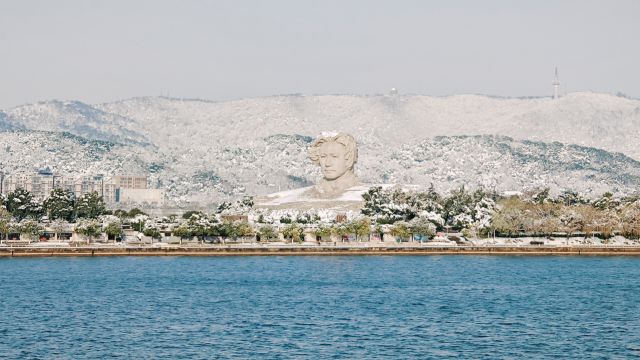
(299,197)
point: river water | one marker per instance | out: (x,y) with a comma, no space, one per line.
(358,307)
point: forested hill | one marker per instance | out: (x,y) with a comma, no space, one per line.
(207,151)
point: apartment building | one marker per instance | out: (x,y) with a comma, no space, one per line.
(41,184)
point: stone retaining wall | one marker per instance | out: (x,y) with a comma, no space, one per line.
(317,250)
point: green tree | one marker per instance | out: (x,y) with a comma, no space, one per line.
(341,230)
(202,225)
(571,198)
(152,231)
(374,199)
(387,205)
(121,213)
(322,231)
(59,226)
(183,231)
(5,220)
(90,206)
(188,214)
(542,197)
(21,204)
(244,229)
(113,228)
(139,222)
(400,231)
(14,227)
(606,202)
(458,204)
(225,205)
(379,230)
(135,212)
(285,219)
(429,201)
(60,205)
(227,229)
(89,228)
(360,227)
(31,229)
(267,232)
(247,202)
(293,232)
(422,227)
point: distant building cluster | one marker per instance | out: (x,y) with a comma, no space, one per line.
(124,189)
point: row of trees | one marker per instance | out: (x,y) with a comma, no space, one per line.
(360,228)
(480,212)
(201,225)
(461,209)
(604,217)
(60,204)
(416,213)
(21,213)
(32,229)
(409,213)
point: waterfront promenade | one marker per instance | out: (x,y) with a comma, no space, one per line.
(311,249)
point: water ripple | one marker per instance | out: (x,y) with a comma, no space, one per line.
(320,307)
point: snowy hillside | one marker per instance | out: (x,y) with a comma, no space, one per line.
(66,154)
(502,163)
(200,151)
(76,118)
(599,120)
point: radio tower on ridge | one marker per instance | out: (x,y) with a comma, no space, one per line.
(556,85)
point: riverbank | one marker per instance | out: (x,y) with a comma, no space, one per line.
(317,250)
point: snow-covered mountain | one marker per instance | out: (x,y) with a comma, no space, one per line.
(67,154)
(599,120)
(502,163)
(76,118)
(208,151)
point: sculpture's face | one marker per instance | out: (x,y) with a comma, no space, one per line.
(333,160)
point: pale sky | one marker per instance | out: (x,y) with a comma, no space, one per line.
(100,51)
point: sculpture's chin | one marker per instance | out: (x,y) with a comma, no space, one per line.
(330,178)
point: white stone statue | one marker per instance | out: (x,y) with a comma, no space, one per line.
(336,153)
(339,189)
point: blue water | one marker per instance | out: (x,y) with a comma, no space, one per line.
(359,307)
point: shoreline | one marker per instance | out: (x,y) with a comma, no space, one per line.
(89,251)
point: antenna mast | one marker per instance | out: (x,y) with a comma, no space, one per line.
(556,85)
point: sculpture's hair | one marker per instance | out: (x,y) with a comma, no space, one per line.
(343,139)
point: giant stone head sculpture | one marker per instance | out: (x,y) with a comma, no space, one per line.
(336,153)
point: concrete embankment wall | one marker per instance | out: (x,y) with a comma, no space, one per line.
(312,251)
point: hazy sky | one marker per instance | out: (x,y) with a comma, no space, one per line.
(99,51)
